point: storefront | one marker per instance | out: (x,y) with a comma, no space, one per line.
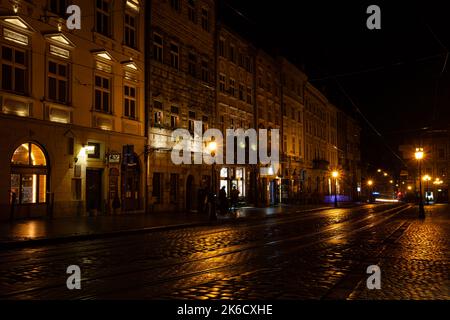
(234,177)
(29,181)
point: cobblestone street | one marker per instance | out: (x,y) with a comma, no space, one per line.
(315,255)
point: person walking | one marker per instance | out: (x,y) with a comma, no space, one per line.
(234,197)
(223,200)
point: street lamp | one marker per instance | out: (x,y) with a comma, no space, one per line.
(370,184)
(427,178)
(212,146)
(419,155)
(335,175)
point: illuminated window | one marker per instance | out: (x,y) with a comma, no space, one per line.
(29,175)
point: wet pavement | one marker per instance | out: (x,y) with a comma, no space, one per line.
(314,255)
(38,229)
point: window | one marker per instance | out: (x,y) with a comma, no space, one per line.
(175,4)
(157,187)
(14,70)
(248,64)
(222,47)
(130,102)
(293,145)
(174,56)
(232,87)
(191,124)
(130,31)
(192,64)
(102,94)
(205,71)
(95,153)
(249,95)
(58,82)
(158,48)
(205,19)
(241,93)
(58,6)
(205,123)
(174,119)
(232,53)
(191,11)
(103,12)
(157,114)
(222,81)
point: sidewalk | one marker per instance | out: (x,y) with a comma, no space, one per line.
(42,231)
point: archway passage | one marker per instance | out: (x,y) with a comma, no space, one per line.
(29,181)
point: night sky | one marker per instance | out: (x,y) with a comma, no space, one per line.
(393,75)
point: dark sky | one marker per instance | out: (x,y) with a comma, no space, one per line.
(393,75)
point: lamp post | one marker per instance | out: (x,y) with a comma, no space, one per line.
(212,149)
(335,175)
(427,178)
(370,184)
(419,154)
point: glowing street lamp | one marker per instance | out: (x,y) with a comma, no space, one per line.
(419,155)
(212,146)
(370,184)
(335,175)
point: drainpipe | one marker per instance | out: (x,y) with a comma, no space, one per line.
(148,93)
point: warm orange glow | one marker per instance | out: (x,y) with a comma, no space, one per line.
(335,174)
(426,178)
(370,183)
(419,154)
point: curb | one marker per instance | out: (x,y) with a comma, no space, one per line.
(29,243)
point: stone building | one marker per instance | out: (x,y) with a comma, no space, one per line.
(182,92)
(268,115)
(235,105)
(349,137)
(72,109)
(293,160)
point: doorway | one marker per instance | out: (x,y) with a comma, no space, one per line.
(94,190)
(189,193)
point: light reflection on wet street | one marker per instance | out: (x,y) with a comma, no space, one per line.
(316,255)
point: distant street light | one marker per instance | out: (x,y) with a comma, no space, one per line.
(212,146)
(427,178)
(335,175)
(370,184)
(419,155)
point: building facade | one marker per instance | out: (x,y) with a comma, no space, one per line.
(181,93)
(293,82)
(349,137)
(72,112)
(436,164)
(235,106)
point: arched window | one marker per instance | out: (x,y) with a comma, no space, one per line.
(29,173)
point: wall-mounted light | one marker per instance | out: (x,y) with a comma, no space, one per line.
(15,7)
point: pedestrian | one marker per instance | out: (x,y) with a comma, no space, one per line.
(223,200)
(234,197)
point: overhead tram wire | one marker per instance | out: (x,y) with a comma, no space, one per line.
(358,110)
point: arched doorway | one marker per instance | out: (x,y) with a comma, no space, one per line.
(29,181)
(190,193)
(131,181)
